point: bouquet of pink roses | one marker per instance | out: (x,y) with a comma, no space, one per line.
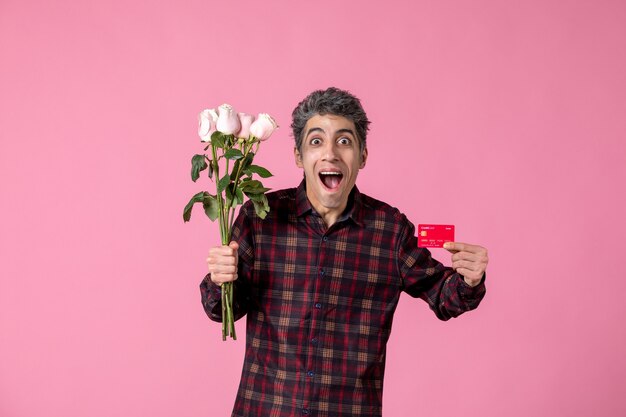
(233,139)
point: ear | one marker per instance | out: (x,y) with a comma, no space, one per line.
(298,157)
(363,158)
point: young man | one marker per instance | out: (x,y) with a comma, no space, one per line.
(320,277)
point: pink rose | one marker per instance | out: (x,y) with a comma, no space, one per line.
(207,124)
(246,120)
(228,121)
(263,126)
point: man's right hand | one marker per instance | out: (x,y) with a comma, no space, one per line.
(222,263)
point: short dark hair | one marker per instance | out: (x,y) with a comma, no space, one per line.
(330,101)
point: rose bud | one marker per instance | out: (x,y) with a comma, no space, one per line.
(228,121)
(246,120)
(207,120)
(263,126)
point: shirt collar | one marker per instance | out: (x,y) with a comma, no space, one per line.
(354,209)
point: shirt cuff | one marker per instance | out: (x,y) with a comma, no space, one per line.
(469,292)
(211,298)
(215,289)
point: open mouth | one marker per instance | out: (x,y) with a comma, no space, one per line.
(331,179)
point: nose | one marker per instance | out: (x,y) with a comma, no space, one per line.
(330,151)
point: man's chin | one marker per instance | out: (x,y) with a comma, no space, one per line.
(329,199)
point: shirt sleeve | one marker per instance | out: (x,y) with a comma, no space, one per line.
(445,291)
(211,294)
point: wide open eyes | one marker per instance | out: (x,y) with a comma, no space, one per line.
(344,141)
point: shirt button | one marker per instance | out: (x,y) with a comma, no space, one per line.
(318,305)
(322,272)
(305,411)
(325,238)
(314,340)
(310,373)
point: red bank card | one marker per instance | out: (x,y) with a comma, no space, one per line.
(434,235)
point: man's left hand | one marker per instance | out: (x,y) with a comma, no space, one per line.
(468,260)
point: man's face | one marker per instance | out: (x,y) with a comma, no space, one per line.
(331,159)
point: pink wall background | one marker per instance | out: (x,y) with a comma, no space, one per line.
(504,118)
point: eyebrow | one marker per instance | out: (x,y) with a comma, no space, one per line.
(319,129)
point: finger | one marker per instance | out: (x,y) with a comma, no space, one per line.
(223,269)
(235,247)
(227,260)
(468,256)
(219,279)
(472,275)
(223,255)
(471,266)
(222,251)
(450,247)
(226,266)
(464,247)
(459,246)
(480,257)
(453,247)
(223,277)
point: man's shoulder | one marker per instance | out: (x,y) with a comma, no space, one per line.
(278,201)
(374,207)
(283,196)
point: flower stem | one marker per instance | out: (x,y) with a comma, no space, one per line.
(245,150)
(228,324)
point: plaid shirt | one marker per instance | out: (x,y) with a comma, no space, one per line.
(320,303)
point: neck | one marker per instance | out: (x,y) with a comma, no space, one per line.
(330,216)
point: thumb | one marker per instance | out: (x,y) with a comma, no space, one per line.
(451,247)
(234,245)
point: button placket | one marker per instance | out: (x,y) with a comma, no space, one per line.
(319,300)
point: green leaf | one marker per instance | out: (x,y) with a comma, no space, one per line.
(210,206)
(234,198)
(239,195)
(217,139)
(254,197)
(195,199)
(250,185)
(259,209)
(256,169)
(198,164)
(253,187)
(210,169)
(247,161)
(230,200)
(266,204)
(233,154)
(223,183)
(233,173)
(260,203)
